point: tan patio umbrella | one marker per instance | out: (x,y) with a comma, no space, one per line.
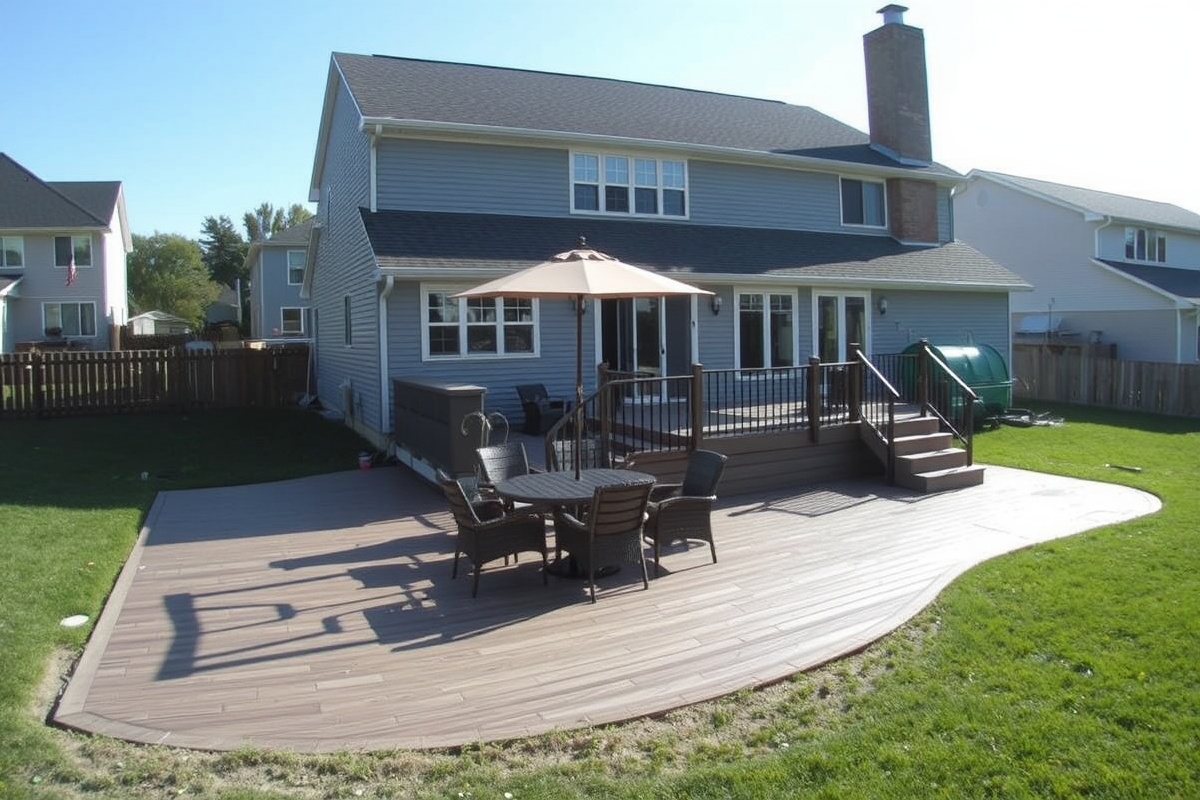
(582,274)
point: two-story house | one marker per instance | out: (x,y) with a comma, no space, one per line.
(1104,267)
(63,246)
(433,177)
(276,268)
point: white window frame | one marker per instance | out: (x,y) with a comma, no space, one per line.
(304,264)
(16,243)
(841,295)
(79,304)
(462,324)
(1156,245)
(74,246)
(765,293)
(842,202)
(283,326)
(631,184)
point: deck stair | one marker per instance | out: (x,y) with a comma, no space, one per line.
(926,459)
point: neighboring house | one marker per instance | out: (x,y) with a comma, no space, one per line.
(433,177)
(226,308)
(1104,267)
(63,246)
(276,268)
(158,322)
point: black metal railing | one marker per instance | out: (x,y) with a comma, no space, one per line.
(874,406)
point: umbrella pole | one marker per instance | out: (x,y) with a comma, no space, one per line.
(578,381)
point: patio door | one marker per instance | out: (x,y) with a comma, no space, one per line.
(839,321)
(648,336)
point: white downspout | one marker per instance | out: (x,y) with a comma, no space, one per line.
(389,283)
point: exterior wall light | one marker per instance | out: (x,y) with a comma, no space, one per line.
(881,304)
(715,302)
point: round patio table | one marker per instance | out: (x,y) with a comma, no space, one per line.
(562,489)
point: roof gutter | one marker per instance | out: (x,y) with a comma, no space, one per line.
(420,128)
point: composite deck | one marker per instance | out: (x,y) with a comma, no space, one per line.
(319,614)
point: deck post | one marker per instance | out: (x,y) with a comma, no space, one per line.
(696,405)
(923,377)
(814,397)
(855,389)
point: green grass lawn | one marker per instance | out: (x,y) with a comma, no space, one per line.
(1071,669)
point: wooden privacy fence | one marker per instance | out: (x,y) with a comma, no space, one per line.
(80,383)
(1067,375)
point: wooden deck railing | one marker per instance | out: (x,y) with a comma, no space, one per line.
(80,383)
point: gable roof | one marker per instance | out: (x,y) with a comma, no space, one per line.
(1107,204)
(28,202)
(393,90)
(1183,283)
(293,236)
(437,244)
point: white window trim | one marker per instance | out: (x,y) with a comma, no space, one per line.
(20,242)
(282,323)
(841,295)
(288,265)
(426,290)
(1151,233)
(95,319)
(842,204)
(765,292)
(91,250)
(632,185)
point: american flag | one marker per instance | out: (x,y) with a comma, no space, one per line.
(72,273)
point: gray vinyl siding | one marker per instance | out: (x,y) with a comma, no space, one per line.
(42,282)
(1139,335)
(275,293)
(949,318)
(474,178)
(346,266)
(554,366)
(1183,249)
(760,197)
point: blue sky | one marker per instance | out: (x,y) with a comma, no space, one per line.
(211,107)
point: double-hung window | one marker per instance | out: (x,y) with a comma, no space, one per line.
(291,320)
(12,251)
(77,247)
(477,327)
(863,203)
(766,330)
(1142,244)
(295,266)
(610,183)
(70,319)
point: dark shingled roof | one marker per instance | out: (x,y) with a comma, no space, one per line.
(1112,205)
(413,89)
(445,242)
(1180,282)
(295,235)
(26,201)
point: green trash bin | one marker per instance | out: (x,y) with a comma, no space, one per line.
(979,366)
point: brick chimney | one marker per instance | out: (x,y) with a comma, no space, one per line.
(898,113)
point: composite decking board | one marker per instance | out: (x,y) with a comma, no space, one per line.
(319,614)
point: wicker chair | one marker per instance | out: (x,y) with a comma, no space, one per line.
(683,511)
(612,533)
(500,462)
(541,410)
(486,540)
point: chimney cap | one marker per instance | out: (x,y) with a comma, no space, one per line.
(893,14)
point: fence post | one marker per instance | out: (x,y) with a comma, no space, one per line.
(814,397)
(37,373)
(696,400)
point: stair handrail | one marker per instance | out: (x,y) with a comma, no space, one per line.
(867,410)
(928,357)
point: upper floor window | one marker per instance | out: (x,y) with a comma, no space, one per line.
(863,203)
(12,251)
(766,330)
(477,326)
(295,263)
(621,184)
(68,247)
(1145,245)
(70,319)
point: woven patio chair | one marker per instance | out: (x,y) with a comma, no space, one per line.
(499,462)
(484,540)
(683,511)
(541,410)
(612,533)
